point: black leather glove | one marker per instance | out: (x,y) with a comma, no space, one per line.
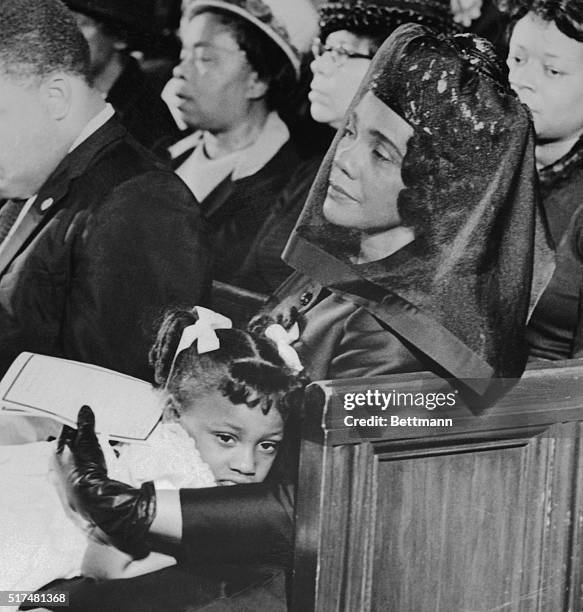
(121,511)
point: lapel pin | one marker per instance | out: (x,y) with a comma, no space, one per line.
(46,204)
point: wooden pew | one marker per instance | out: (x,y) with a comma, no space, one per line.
(483,515)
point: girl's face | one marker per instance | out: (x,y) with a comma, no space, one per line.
(238,443)
(365,179)
(546,71)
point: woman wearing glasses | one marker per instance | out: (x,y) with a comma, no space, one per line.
(240,61)
(351,32)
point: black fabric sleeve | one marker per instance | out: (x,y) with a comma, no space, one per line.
(238,524)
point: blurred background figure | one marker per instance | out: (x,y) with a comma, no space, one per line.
(240,63)
(113,31)
(350,34)
(483,18)
(546,71)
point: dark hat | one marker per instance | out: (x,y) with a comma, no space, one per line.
(384,16)
(136,16)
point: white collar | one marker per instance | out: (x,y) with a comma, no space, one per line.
(272,137)
(93,125)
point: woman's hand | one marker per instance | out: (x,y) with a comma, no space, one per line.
(122,512)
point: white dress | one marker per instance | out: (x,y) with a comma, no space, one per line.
(39,540)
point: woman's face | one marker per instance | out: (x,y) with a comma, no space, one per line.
(238,443)
(365,180)
(215,80)
(546,71)
(334,86)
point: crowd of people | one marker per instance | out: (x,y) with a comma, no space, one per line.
(404,193)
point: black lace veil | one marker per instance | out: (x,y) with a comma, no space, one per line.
(461,290)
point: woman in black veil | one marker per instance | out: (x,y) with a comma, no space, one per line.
(415,251)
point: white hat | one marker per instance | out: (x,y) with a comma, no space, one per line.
(291,24)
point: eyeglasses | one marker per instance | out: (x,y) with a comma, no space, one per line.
(339,55)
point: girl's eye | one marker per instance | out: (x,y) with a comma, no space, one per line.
(552,71)
(225,438)
(269,447)
(516,59)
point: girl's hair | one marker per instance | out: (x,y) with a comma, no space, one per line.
(567,15)
(247,368)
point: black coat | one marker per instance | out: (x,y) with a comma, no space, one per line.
(113,239)
(236,210)
(263,269)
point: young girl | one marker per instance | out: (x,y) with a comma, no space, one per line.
(227,395)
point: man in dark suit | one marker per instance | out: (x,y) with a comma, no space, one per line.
(97,239)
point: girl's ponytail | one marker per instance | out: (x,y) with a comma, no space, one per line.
(164,349)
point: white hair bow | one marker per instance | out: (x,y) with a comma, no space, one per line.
(203,331)
(283,339)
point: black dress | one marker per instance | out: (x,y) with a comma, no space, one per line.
(555,330)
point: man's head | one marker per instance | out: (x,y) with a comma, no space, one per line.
(44,61)
(40,37)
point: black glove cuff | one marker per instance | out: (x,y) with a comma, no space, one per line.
(129,520)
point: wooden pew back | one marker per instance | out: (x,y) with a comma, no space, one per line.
(485,513)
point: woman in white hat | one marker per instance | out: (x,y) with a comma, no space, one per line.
(240,61)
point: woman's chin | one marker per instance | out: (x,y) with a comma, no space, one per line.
(322,114)
(336,213)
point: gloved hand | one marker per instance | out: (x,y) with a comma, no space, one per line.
(121,511)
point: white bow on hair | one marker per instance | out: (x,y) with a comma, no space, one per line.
(204,331)
(283,339)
